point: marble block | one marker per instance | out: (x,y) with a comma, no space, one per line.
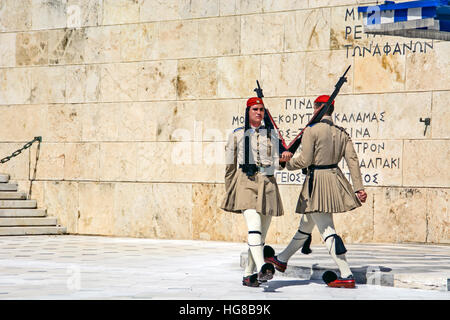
(307,30)
(150,41)
(283,74)
(238,7)
(329,3)
(282,5)
(262,33)
(102,44)
(158,10)
(61,201)
(202,8)
(51,162)
(23,122)
(213,119)
(18,167)
(98,122)
(356,226)
(120,11)
(379,73)
(136,121)
(8,50)
(83,83)
(323,70)
(440,115)
(402,121)
(96,208)
(197,78)
(174,162)
(82,161)
(429,70)
(63,123)
(119,82)
(219,36)
(157,80)
(15,15)
(15,84)
(48,85)
(425,163)
(438,220)
(178,39)
(400,215)
(48,14)
(32,48)
(132,42)
(117,161)
(162,211)
(209,222)
(66,46)
(237,76)
(83,13)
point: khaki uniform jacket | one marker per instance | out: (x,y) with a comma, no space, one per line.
(260,191)
(325,144)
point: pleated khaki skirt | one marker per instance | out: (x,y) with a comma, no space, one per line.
(259,192)
(331,193)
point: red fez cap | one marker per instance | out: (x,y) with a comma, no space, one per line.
(253,101)
(323,98)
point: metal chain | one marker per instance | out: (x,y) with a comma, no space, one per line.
(17,152)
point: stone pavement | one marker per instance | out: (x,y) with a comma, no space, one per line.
(417,266)
(94,267)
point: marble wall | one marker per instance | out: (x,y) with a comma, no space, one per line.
(135,99)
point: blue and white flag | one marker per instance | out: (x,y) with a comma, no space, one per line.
(415,19)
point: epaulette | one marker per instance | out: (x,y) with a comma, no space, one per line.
(238,129)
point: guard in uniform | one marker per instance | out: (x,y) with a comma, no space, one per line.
(252,155)
(325,192)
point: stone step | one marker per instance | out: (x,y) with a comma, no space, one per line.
(16,222)
(6,195)
(4,178)
(22,213)
(21,231)
(17,204)
(8,186)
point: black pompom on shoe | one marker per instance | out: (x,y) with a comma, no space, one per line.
(266,273)
(268,252)
(251,281)
(329,276)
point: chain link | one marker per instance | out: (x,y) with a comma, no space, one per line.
(17,152)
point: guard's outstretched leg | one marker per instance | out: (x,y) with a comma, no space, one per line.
(301,239)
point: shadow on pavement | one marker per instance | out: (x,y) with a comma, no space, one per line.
(272,286)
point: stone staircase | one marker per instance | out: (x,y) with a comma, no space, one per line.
(19,216)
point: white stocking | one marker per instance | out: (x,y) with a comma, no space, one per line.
(324,222)
(306,226)
(258,226)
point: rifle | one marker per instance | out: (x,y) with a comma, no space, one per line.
(317,116)
(268,120)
